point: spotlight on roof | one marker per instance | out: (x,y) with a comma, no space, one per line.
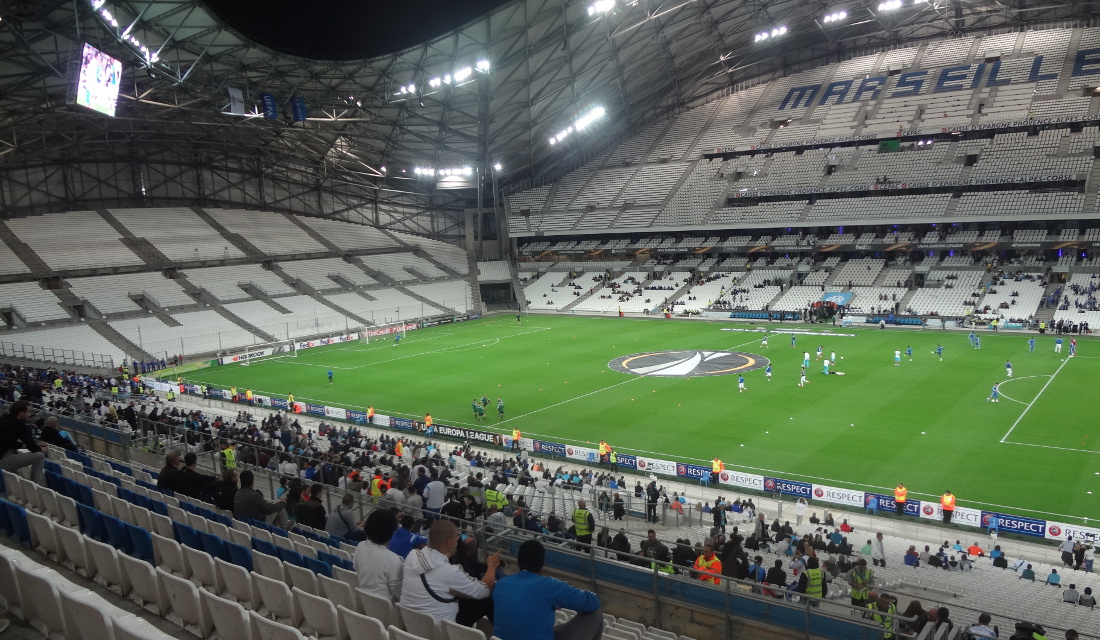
(498,166)
(582,122)
(889,5)
(482,66)
(768,35)
(600,7)
(836,16)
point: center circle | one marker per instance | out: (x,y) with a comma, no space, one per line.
(688,363)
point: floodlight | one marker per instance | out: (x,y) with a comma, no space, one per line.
(483,66)
(434,82)
(836,16)
(889,5)
(463,74)
(498,166)
(600,6)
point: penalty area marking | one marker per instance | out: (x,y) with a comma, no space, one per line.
(1031,404)
(1004,382)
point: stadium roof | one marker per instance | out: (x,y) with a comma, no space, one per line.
(549,62)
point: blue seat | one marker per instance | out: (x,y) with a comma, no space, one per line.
(186,536)
(127,495)
(3,487)
(330,558)
(53,482)
(319,567)
(117,535)
(5,522)
(213,545)
(91,523)
(156,506)
(141,544)
(143,502)
(293,557)
(187,506)
(223,519)
(309,535)
(994,525)
(239,555)
(17,526)
(86,497)
(52,467)
(263,546)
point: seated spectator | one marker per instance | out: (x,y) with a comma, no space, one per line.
(1000,561)
(943,621)
(923,556)
(776,576)
(996,552)
(845,527)
(982,629)
(975,551)
(311,512)
(1028,574)
(15,433)
(54,436)
(190,482)
(226,490)
(912,558)
(341,522)
(1070,595)
(1053,579)
(380,571)
(166,481)
(914,610)
(814,519)
(524,606)
(1087,599)
(250,503)
(404,540)
(867,549)
(432,585)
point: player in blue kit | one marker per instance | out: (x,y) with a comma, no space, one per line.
(978,342)
(330,376)
(972,338)
(1058,345)
(995,396)
(1008,367)
(396,339)
(909,352)
(820,349)
(1031,345)
(792,341)
(939,351)
(740,383)
(768,373)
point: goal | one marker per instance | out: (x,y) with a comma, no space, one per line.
(386,332)
(262,350)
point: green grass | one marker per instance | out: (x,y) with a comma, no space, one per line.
(926,423)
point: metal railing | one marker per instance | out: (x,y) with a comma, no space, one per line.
(56,356)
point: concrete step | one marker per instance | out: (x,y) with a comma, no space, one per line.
(260,334)
(311,232)
(235,239)
(21,249)
(122,342)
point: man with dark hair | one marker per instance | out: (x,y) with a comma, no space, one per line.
(190,482)
(524,605)
(341,522)
(311,513)
(379,570)
(812,582)
(15,431)
(250,503)
(404,540)
(226,490)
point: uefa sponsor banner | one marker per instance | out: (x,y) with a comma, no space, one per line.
(314,409)
(263,401)
(836,494)
(654,465)
(582,453)
(221,393)
(358,416)
(963,515)
(336,412)
(626,460)
(248,355)
(692,471)
(1061,531)
(381,421)
(473,435)
(789,487)
(1016,524)
(385,331)
(403,423)
(548,448)
(280,403)
(886,503)
(738,479)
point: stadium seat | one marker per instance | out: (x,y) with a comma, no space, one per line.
(143,582)
(378,607)
(44,538)
(131,627)
(238,584)
(302,578)
(265,547)
(264,629)
(229,620)
(16,517)
(417,623)
(340,593)
(398,634)
(277,600)
(213,545)
(320,615)
(203,571)
(108,571)
(117,535)
(87,616)
(169,556)
(454,631)
(76,553)
(181,605)
(347,576)
(141,544)
(186,536)
(268,566)
(67,514)
(361,627)
(10,596)
(318,567)
(41,602)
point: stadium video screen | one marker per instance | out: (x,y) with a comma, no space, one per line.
(98,82)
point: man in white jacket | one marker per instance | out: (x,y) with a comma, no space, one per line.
(878,553)
(432,585)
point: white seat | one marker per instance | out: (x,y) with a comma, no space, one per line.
(162,525)
(108,571)
(41,602)
(264,629)
(418,623)
(229,620)
(302,578)
(339,592)
(241,538)
(10,597)
(143,582)
(131,627)
(277,600)
(87,616)
(268,566)
(454,631)
(343,575)
(180,603)
(377,607)
(76,553)
(14,486)
(121,509)
(262,534)
(397,634)
(142,518)
(203,572)
(238,584)
(103,502)
(43,536)
(169,556)
(69,516)
(320,616)
(31,494)
(361,627)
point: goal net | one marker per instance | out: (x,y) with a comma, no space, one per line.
(386,332)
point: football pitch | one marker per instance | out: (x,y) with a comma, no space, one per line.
(926,423)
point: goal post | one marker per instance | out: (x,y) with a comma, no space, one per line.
(385,332)
(246,355)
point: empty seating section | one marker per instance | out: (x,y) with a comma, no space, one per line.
(178,233)
(531,200)
(569,187)
(225,283)
(1020,203)
(10,263)
(306,317)
(61,240)
(1020,155)
(944,53)
(550,291)
(115,293)
(895,277)
(762,213)
(385,305)
(349,236)
(684,130)
(946,293)
(867,299)
(318,273)
(633,150)
(493,271)
(198,332)
(32,302)
(895,207)
(860,272)
(798,297)
(271,233)
(651,184)
(1014,299)
(454,295)
(728,128)
(77,338)
(451,256)
(402,267)
(603,188)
